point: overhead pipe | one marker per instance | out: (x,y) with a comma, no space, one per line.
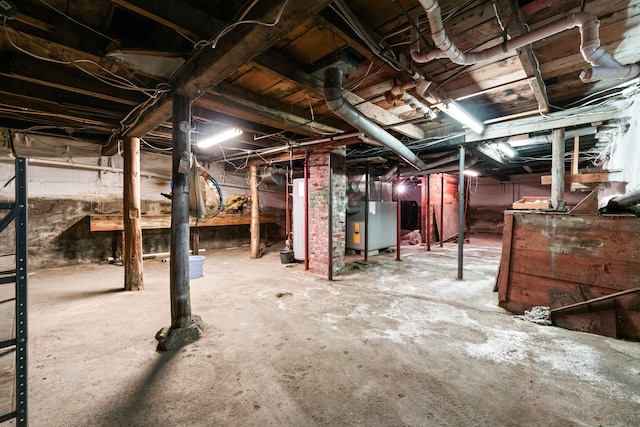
(336,103)
(604,66)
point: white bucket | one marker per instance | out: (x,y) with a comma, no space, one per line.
(196,262)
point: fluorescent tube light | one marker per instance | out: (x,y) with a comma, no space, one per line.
(470,172)
(451,108)
(217,139)
(507,149)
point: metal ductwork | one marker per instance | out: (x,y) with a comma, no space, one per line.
(604,66)
(336,103)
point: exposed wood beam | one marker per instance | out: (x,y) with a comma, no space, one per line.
(32,107)
(548,122)
(282,66)
(582,178)
(219,104)
(66,78)
(209,67)
(290,115)
(346,35)
(511,16)
(179,16)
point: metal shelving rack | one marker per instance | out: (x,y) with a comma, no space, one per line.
(17,213)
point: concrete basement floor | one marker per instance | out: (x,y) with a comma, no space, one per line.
(395,344)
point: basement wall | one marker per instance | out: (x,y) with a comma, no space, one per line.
(61,199)
(623,153)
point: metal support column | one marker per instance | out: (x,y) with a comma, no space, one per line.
(330,221)
(18,214)
(461,214)
(366,212)
(180,291)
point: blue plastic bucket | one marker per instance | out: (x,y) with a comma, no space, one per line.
(196,262)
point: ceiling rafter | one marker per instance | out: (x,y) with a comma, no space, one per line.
(510,14)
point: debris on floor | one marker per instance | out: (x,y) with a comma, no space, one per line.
(284,294)
(540,315)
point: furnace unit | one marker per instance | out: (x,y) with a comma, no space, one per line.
(383,226)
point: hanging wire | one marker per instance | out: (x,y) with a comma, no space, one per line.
(214,42)
(111,78)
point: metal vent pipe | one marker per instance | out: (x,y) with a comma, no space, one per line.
(336,103)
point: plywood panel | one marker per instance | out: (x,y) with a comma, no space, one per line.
(559,254)
(450,228)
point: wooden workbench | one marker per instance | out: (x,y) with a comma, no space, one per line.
(115,223)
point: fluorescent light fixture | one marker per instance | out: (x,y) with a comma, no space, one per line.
(451,108)
(507,149)
(218,138)
(470,172)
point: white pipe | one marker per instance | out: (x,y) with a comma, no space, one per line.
(605,66)
(82,166)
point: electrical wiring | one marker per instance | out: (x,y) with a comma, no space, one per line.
(313,120)
(342,10)
(237,168)
(586,99)
(111,78)
(153,147)
(214,42)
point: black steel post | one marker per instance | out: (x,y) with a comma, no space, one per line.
(21,291)
(366,212)
(181,167)
(461,213)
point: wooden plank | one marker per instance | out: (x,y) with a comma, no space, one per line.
(449,229)
(608,273)
(529,290)
(588,205)
(502,281)
(578,222)
(579,178)
(114,222)
(614,245)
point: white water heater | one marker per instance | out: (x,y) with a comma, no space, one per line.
(298,218)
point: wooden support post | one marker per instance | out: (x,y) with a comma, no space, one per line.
(179,265)
(195,242)
(557,169)
(132,242)
(576,155)
(255,211)
(575,159)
